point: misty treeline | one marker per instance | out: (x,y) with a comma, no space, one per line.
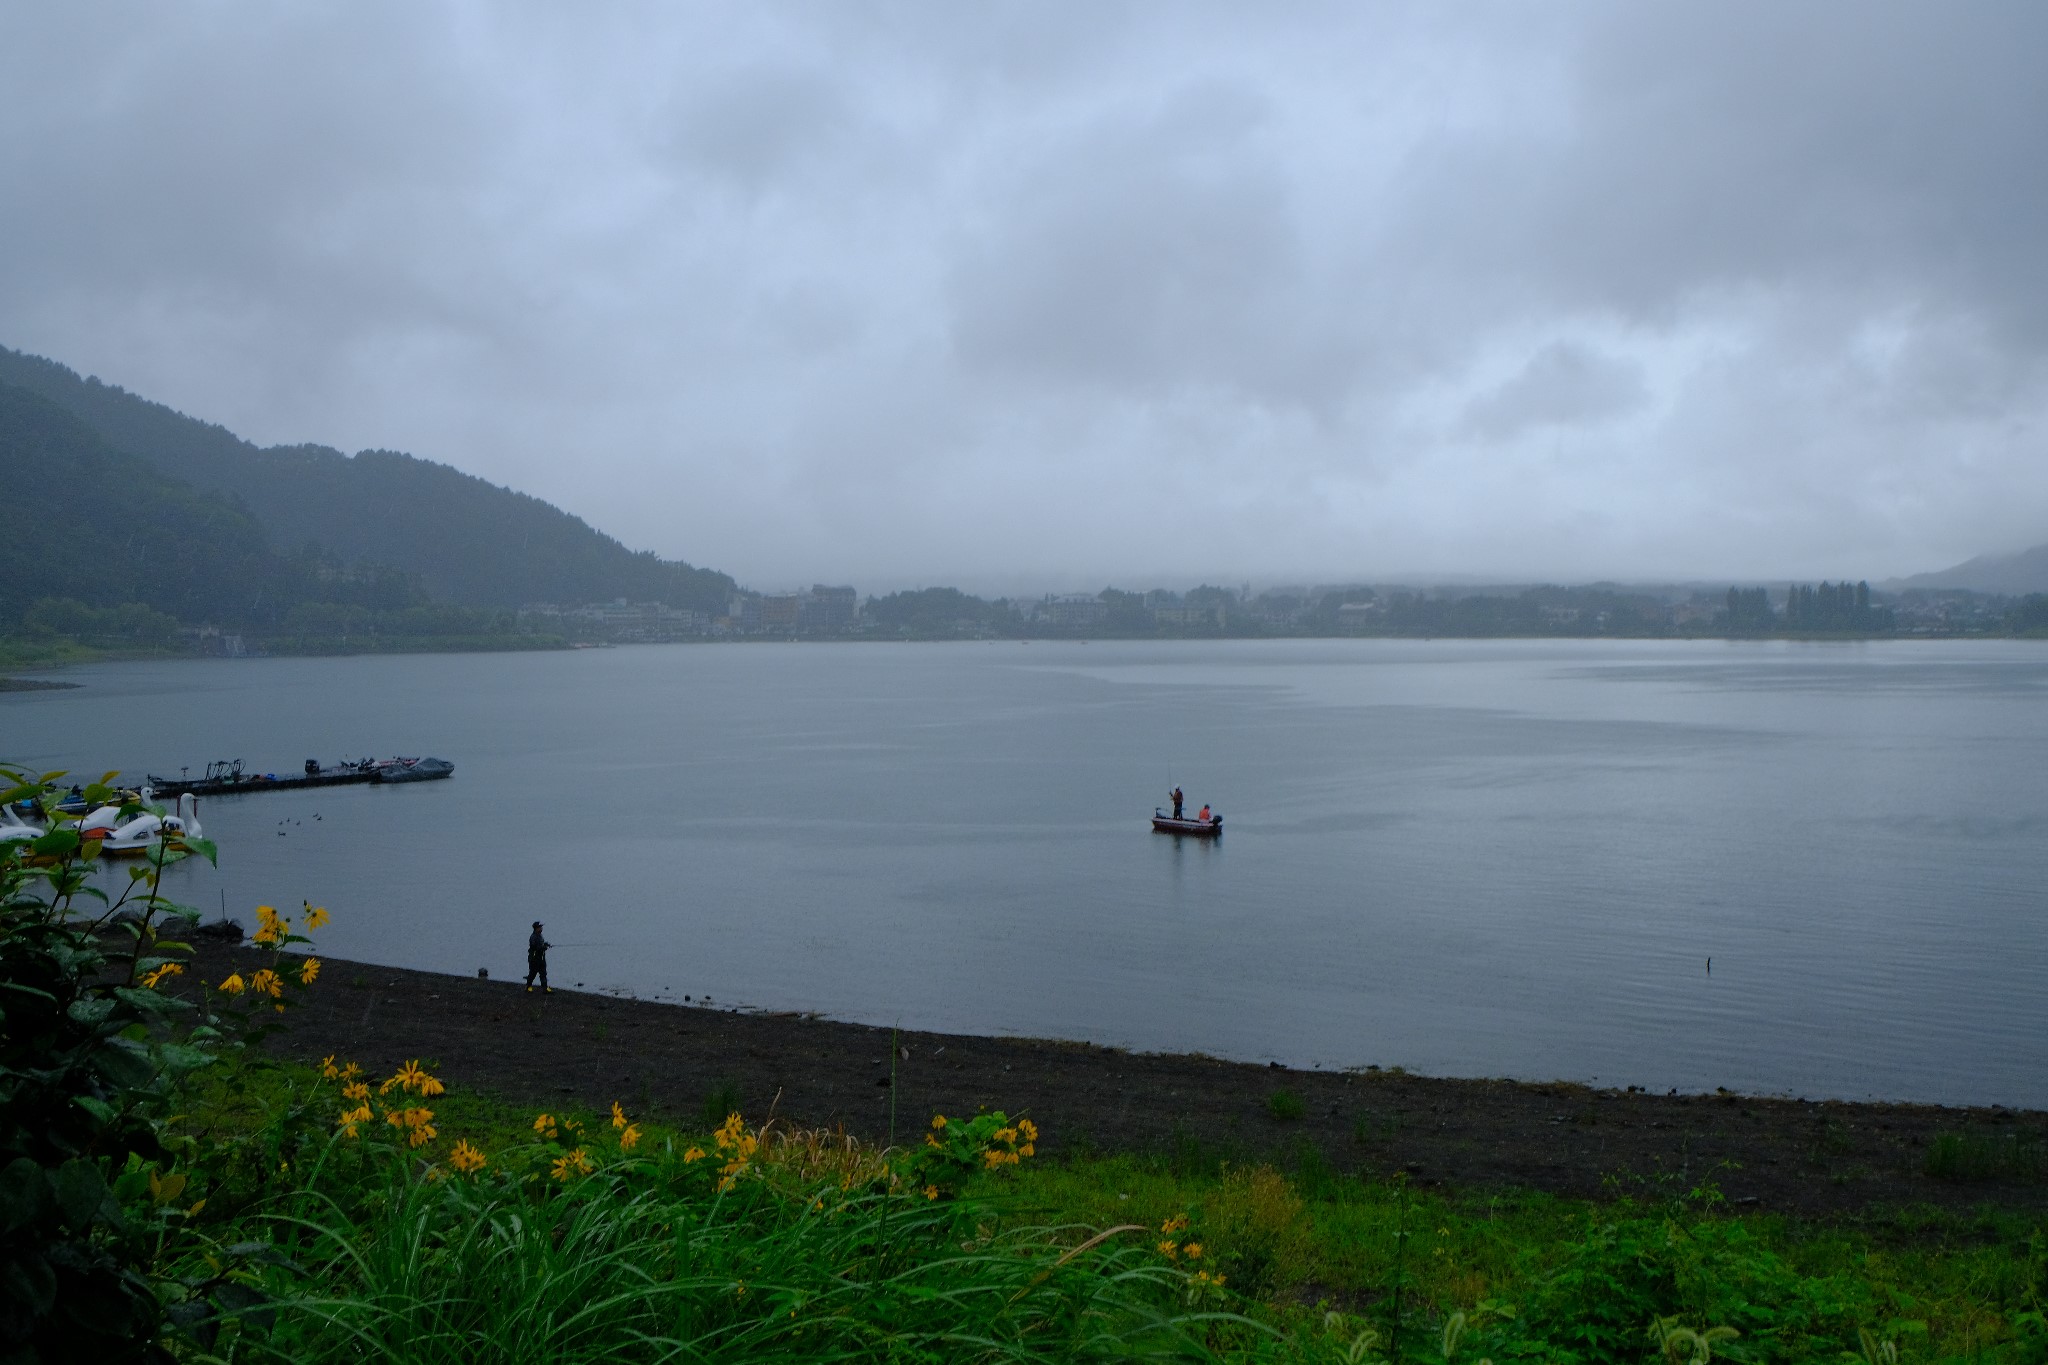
(1536,611)
(1826,607)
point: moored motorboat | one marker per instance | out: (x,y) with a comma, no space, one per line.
(1162,823)
(413,769)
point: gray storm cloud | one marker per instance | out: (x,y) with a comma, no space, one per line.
(1138,293)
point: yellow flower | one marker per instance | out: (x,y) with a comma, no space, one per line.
(309,969)
(1193,1251)
(269,933)
(267,982)
(930,1141)
(938,1120)
(629,1137)
(618,1115)
(411,1077)
(417,1124)
(1027,1150)
(328,1069)
(316,917)
(1028,1129)
(545,1126)
(1003,1135)
(931,1191)
(151,979)
(466,1158)
(233,985)
(1168,1247)
(694,1154)
(267,917)
(356,1090)
(1177,1223)
(574,1164)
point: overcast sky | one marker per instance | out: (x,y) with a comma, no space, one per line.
(1072,294)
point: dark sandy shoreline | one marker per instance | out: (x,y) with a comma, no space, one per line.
(1780,1154)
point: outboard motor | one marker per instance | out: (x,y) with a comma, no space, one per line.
(312,767)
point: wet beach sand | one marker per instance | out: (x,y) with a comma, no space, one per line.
(576,1048)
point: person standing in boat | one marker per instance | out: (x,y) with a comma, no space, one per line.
(1177,801)
(537,960)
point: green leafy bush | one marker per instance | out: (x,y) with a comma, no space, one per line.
(93,1044)
(955,1150)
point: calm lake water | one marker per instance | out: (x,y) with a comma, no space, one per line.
(1465,858)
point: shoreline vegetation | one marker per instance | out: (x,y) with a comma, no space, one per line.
(1771,1153)
(1241,1217)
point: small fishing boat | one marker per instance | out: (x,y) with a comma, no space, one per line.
(1162,823)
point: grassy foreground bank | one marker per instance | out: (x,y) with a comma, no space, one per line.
(484,1231)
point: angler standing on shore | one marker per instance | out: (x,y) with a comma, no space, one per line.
(537,961)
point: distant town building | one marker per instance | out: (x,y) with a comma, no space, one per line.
(784,611)
(1073,610)
(830,608)
(621,620)
(1356,615)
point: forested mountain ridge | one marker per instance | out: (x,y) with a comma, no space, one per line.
(92,531)
(92,524)
(468,540)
